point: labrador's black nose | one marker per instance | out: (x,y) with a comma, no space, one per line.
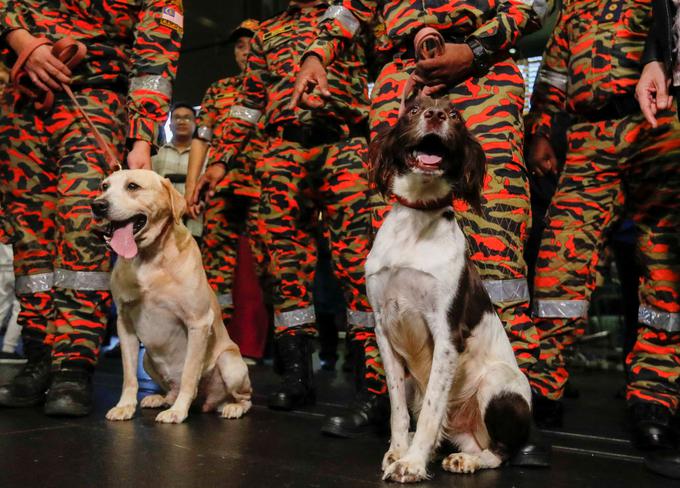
(100,208)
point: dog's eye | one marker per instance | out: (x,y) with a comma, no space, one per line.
(415,109)
(133,186)
(454,115)
(105,186)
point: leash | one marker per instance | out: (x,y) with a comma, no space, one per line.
(71,53)
(428,43)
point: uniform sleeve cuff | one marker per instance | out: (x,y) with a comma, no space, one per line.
(325,55)
(143,130)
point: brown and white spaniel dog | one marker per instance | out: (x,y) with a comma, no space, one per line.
(446,354)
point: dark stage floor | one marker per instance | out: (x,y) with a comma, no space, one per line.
(275,449)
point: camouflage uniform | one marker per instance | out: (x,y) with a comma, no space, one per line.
(314,160)
(491,103)
(590,69)
(234,210)
(51,167)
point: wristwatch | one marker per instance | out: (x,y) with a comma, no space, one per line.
(481,57)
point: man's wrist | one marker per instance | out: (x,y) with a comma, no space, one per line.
(481,58)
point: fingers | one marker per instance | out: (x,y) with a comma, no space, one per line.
(36,81)
(300,87)
(312,101)
(322,81)
(58,70)
(195,196)
(648,110)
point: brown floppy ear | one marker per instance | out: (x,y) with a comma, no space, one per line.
(473,173)
(381,160)
(178,204)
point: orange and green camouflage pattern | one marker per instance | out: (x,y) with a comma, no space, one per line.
(498,24)
(276,51)
(50,171)
(592,55)
(593,58)
(131,44)
(50,166)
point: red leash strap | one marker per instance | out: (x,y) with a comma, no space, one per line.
(70,52)
(429,43)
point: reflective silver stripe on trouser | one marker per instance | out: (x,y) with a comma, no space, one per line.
(205,133)
(364,320)
(344,16)
(82,280)
(153,83)
(501,291)
(35,283)
(244,113)
(225,300)
(658,319)
(295,318)
(557,80)
(561,309)
(539,6)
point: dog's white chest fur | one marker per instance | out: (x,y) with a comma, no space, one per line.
(421,241)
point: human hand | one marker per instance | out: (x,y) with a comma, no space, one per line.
(448,68)
(541,159)
(205,188)
(652,91)
(140,155)
(42,67)
(311,85)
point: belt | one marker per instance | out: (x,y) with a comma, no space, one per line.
(176,177)
(616,108)
(311,136)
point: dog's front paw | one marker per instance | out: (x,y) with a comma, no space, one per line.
(153,401)
(390,457)
(461,463)
(406,470)
(234,410)
(171,416)
(121,412)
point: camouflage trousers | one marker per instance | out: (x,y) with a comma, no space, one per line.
(228,217)
(298,182)
(50,170)
(609,164)
(491,106)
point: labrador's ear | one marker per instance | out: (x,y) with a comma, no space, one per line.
(178,204)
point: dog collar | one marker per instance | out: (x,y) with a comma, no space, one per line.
(437,204)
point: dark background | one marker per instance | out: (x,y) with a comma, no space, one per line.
(207,23)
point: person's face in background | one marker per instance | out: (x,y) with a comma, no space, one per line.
(241,52)
(182,123)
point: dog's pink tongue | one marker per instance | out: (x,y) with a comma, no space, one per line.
(123,242)
(429,159)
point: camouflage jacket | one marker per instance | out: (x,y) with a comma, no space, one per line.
(131,44)
(276,51)
(498,24)
(594,54)
(214,119)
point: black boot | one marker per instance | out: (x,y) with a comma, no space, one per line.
(548,414)
(650,426)
(535,453)
(666,462)
(70,393)
(368,413)
(29,385)
(295,359)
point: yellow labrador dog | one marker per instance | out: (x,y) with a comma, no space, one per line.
(164,301)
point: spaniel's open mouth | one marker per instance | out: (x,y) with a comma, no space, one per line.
(121,234)
(429,154)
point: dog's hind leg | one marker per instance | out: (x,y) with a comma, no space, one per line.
(234,372)
(396,384)
(471,458)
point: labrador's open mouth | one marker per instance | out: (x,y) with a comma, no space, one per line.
(121,234)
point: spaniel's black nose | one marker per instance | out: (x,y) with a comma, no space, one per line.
(100,208)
